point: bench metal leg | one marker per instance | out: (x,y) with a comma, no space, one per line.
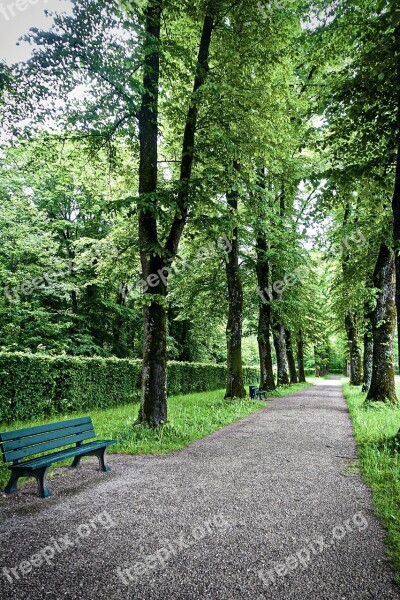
(76,462)
(11,486)
(41,478)
(101,455)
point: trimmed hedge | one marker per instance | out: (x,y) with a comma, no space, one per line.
(34,387)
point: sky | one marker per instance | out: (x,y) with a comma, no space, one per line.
(17,17)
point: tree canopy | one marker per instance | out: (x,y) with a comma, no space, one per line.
(206,181)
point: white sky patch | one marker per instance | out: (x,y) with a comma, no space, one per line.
(17,17)
(317,20)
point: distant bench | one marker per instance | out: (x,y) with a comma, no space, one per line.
(24,443)
(255,393)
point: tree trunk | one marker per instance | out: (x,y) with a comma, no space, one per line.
(234,386)
(367,360)
(267,381)
(317,360)
(382,388)
(153,409)
(156,262)
(396,236)
(354,349)
(281,356)
(300,357)
(396,216)
(368,341)
(188,146)
(278,330)
(321,357)
(118,346)
(290,357)
(350,321)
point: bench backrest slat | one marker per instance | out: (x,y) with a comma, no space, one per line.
(19,433)
(34,440)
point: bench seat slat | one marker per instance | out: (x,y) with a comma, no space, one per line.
(31,450)
(28,431)
(36,463)
(33,440)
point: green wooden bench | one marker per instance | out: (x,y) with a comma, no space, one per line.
(255,393)
(24,443)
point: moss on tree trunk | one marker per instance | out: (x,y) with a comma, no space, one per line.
(382,387)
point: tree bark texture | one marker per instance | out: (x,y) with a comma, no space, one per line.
(354,348)
(367,359)
(281,355)
(267,381)
(300,357)
(396,236)
(382,387)
(234,385)
(290,357)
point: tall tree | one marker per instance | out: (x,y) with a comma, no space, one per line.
(157,258)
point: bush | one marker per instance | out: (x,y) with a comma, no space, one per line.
(34,387)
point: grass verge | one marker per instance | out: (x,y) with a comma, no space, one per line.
(379,460)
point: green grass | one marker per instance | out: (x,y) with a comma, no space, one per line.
(379,460)
(190,418)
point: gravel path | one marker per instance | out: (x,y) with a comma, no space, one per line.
(270,507)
